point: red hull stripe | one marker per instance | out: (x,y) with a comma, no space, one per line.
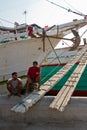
(76,93)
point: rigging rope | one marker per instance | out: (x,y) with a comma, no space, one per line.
(53,50)
(6,21)
(69,10)
(83,33)
(58,56)
(72,7)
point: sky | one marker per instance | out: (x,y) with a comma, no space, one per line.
(40,12)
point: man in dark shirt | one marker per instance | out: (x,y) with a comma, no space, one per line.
(33,75)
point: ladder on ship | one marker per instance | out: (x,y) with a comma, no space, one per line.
(35,96)
(64,95)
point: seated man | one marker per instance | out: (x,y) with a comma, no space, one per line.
(14,85)
(33,77)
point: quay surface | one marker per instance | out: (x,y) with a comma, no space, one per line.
(41,117)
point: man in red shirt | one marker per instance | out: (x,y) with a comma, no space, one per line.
(33,75)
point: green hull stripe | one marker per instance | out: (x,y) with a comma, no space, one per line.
(45,75)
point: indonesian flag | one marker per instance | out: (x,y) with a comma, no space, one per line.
(46,26)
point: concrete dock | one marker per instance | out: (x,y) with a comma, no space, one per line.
(41,117)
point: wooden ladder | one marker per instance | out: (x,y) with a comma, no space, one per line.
(64,95)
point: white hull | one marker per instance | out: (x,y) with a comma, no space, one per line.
(62,56)
(18,56)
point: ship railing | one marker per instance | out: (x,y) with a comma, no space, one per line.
(12,36)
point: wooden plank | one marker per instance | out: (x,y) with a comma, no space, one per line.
(58,104)
(52,105)
(67,98)
(27,102)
